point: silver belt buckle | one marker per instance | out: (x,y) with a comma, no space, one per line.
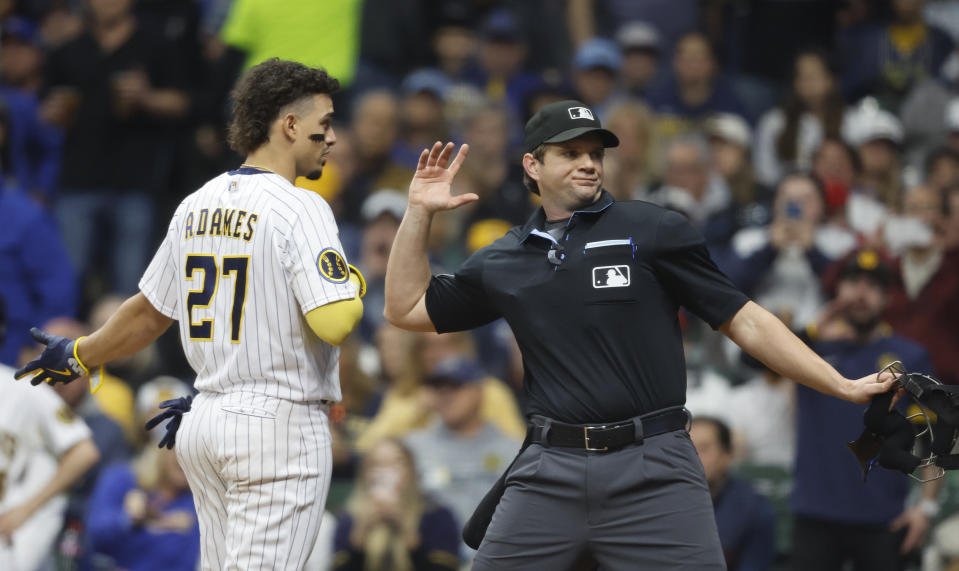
(586,439)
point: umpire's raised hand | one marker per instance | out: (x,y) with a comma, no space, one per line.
(430,188)
(58,363)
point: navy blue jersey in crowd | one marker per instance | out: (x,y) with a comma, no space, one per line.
(37,282)
(151,546)
(828,481)
(438,548)
(747,527)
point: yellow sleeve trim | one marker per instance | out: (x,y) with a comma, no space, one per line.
(333,322)
(358,280)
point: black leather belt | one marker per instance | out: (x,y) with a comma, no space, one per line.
(605,437)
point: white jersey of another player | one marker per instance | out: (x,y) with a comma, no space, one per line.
(36,429)
(244,259)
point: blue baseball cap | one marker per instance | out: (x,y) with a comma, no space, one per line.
(426,80)
(18,28)
(457,371)
(501,25)
(598,52)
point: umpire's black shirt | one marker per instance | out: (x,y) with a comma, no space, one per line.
(599,332)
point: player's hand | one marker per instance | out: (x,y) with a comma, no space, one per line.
(917,526)
(431,186)
(862,390)
(13,519)
(57,364)
(175,409)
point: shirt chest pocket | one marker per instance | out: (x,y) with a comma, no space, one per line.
(607,272)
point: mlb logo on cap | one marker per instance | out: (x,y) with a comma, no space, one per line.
(562,121)
(580,113)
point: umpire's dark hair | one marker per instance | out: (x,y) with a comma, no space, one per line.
(723,433)
(264,91)
(538,153)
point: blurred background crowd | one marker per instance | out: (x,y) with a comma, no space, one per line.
(815,144)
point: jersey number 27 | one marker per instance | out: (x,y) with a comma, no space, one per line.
(205,264)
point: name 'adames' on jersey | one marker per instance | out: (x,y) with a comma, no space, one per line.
(244,259)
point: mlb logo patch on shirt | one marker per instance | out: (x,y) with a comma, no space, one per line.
(611,276)
(580,113)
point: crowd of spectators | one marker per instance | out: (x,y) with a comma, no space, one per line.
(814,143)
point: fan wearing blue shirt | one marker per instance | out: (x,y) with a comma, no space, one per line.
(37,281)
(840,518)
(142,518)
(746,522)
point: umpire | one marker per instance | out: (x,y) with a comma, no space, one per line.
(591,288)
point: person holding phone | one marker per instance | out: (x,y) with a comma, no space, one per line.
(389,523)
(780,264)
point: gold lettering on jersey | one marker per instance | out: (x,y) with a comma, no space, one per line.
(188,231)
(239,222)
(228,220)
(220,222)
(249,227)
(201,222)
(215,219)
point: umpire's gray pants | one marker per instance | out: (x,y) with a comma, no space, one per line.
(642,507)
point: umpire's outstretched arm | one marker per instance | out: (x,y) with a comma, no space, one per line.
(408,270)
(765,337)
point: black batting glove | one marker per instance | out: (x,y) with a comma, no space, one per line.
(57,364)
(175,409)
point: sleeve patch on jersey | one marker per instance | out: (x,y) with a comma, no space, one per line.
(332,266)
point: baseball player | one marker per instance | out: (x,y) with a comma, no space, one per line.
(609,471)
(253,269)
(44,449)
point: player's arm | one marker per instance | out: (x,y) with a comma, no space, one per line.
(333,322)
(408,269)
(765,337)
(73,464)
(133,327)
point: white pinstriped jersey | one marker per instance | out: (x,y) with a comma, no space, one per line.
(36,429)
(244,259)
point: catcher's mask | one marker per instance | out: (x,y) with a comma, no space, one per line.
(891,438)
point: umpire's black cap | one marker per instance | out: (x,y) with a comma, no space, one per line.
(562,121)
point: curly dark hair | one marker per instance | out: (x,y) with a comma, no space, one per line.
(263,91)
